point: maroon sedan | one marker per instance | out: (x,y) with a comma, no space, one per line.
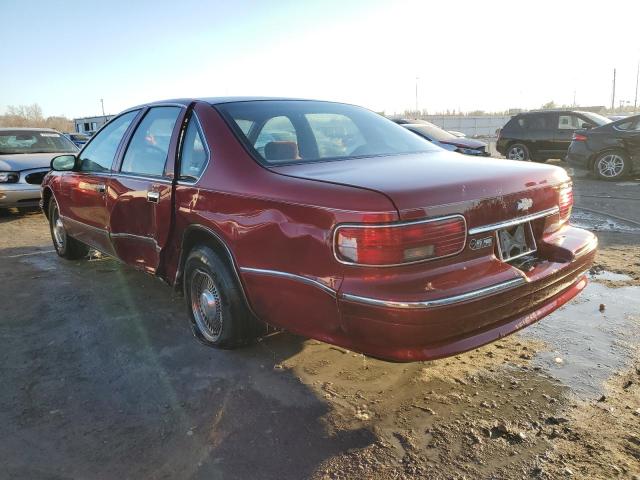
(324,219)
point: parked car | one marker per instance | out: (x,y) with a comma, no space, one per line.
(446,140)
(406,121)
(374,239)
(542,135)
(25,155)
(79,139)
(611,151)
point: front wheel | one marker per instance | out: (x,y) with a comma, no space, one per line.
(219,315)
(518,151)
(66,246)
(611,166)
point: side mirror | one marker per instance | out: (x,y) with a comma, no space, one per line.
(63,163)
(587,126)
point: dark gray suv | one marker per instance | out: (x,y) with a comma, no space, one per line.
(541,135)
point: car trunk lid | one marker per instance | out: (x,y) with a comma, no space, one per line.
(440,183)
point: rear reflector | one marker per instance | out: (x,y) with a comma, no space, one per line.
(565,202)
(578,137)
(404,243)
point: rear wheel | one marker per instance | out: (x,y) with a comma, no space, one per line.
(66,246)
(611,165)
(217,309)
(518,151)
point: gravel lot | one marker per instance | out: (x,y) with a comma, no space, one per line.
(102,379)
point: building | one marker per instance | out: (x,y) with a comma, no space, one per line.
(91,125)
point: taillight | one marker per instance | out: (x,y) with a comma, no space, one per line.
(578,137)
(403,243)
(565,202)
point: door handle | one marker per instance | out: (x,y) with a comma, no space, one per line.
(153,197)
(102,188)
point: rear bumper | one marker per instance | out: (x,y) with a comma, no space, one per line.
(19,195)
(447,325)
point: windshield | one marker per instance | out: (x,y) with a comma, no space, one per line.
(598,120)
(286,131)
(433,132)
(34,141)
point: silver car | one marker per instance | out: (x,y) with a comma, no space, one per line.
(25,156)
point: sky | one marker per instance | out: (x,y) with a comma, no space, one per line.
(465,55)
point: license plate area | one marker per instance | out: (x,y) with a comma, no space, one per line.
(515,242)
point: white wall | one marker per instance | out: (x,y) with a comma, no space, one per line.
(477,126)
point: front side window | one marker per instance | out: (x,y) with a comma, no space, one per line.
(194,154)
(99,154)
(147,152)
(295,131)
(573,122)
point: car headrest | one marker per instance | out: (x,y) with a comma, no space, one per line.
(281,150)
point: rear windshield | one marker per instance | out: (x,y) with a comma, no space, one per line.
(26,141)
(597,120)
(294,131)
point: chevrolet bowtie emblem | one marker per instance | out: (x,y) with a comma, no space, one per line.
(524,204)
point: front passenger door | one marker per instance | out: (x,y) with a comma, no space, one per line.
(84,210)
(140,192)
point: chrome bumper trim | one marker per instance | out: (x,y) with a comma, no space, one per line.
(439,302)
(291,276)
(514,221)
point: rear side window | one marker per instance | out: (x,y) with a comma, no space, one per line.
(533,122)
(194,154)
(149,146)
(629,125)
(99,154)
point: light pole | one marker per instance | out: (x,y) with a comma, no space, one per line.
(635,102)
(102,103)
(613,93)
(417,111)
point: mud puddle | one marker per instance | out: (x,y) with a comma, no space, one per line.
(592,338)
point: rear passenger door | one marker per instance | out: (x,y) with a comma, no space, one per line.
(140,191)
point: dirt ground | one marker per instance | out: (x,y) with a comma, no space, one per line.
(102,379)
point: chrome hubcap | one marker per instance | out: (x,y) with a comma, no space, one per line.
(611,165)
(58,230)
(516,153)
(205,303)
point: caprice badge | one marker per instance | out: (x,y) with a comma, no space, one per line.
(524,204)
(478,243)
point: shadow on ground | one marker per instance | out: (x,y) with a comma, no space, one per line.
(103,379)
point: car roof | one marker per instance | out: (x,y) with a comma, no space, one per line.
(552,110)
(27,129)
(221,100)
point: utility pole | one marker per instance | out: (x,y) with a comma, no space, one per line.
(613,94)
(635,102)
(417,111)
(102,103)
(574,97)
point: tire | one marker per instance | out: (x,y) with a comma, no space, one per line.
(612,165)
(66,246)
(216,306)
(518,151)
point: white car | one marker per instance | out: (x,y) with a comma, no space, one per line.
(25,156)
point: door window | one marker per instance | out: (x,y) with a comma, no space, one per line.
(194,155)
(98,155)
(570,122)
(149,146)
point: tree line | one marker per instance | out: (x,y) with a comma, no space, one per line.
(31,116)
